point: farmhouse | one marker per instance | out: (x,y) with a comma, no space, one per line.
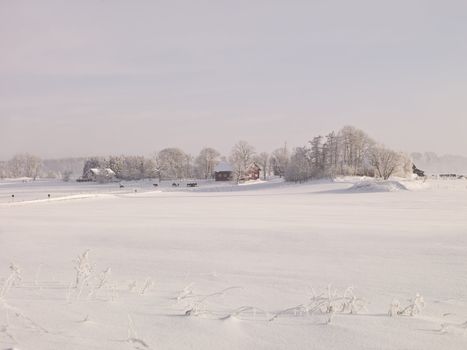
(97,174)
(223,172)
(253,172)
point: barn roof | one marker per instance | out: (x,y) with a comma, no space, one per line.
(253,166)
(223,166)
(97,171)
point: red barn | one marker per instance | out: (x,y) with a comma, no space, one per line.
(253,172)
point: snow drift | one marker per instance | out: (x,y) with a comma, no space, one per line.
(377,186)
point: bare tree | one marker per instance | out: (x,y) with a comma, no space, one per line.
(189,168)
(279,161)
(207,159)
(384,160)
(24,164)
(262,160)
(241,158)
(33,165)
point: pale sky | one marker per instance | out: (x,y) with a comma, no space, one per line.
(80,78)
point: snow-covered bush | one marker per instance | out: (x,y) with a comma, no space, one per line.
(414,307)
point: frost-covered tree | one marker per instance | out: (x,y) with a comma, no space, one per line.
(385,161)
(331,154)
(241,157)
(129,167)
(24,164)
(132,167)
(262,160)
(300,167)
(171,163)
(349,152)
(16,166)
(316,157)
(117,164)
(354,151)
(205,162)
(189,167)
(405,168)
(279,161)
(33,165)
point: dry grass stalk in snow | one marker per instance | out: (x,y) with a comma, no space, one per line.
(13,279)
(414,308)
(198,308)
(330,303)
(148,283)
(132,336)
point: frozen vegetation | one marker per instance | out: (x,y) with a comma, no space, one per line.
(346,264)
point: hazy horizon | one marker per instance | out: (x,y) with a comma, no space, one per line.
(195,152)
(119,77)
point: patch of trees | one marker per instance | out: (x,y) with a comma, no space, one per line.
(206,161)
(21,165)
(279,161)
(167,164)
(124,167)
(31,166)
(241,157)
(347,152)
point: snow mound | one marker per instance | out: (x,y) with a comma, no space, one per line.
(377,186)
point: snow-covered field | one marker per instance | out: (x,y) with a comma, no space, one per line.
(259,266)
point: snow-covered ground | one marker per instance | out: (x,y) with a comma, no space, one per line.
(223,266)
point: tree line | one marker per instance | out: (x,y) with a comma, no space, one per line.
(349,151)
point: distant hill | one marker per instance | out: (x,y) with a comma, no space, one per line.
(431,163)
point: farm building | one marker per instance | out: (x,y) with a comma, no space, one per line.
(97,174)
(223,172)
(253,172)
